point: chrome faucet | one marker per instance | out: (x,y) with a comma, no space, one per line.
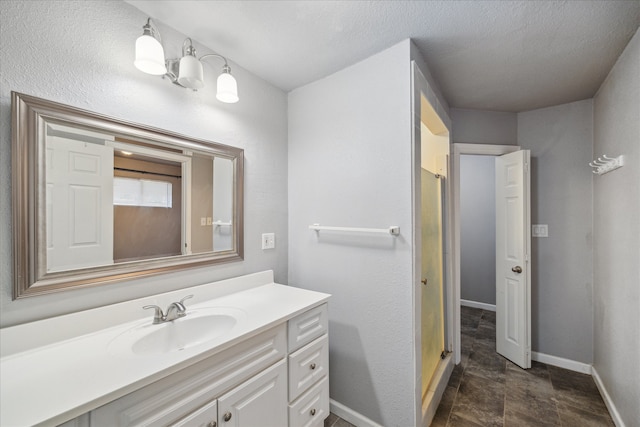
(174,311)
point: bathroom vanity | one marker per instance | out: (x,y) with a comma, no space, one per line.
(249,352)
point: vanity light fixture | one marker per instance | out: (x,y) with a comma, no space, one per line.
(149,51)
(186,71)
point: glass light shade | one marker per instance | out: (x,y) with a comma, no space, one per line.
(190,74)
(227,88)
(149,56)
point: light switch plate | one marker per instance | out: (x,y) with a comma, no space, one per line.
(539,230)
(268,240)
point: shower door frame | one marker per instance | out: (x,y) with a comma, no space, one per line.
(421,88)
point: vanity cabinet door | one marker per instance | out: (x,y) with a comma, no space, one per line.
(207,416)
(260,401)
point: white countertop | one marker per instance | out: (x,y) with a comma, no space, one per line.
(56,382)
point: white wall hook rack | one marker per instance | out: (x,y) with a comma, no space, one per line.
(393,230)
(606,164)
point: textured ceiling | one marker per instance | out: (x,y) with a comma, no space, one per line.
(488,55)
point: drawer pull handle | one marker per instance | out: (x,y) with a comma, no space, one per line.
(227,416)
(312,412)
(313,366)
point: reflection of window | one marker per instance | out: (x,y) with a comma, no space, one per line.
(141,192)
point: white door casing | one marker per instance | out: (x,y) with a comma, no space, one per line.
(513,248)
(79,200)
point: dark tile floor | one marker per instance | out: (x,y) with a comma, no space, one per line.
(335,421)
(485,389)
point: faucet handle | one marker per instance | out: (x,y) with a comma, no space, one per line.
(185,298)
(158,316)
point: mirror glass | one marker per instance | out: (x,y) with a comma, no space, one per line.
(98,200)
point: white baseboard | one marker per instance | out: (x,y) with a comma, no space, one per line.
(350,415)
(561,362)
(475,304)
(613,411)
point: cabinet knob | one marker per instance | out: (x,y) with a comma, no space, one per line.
(312,366)
(212,424)
(312,412)
(227,416)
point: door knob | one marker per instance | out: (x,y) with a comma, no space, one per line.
(517,269)
(424,281)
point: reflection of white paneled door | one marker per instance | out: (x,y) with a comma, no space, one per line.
(513,273)
(79,202)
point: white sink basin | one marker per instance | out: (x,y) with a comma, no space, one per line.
(198,327)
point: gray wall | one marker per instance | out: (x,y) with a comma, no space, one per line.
(478,229)
(349,165)
(484,127)
(81,53)
(560,139)
(616,236)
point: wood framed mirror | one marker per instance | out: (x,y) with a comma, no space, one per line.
(98,200)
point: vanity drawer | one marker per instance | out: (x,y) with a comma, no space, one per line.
(307,366)
(308,326)
(311,408)
(174,397)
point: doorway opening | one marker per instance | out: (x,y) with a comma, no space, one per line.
(491,260)
(478,232)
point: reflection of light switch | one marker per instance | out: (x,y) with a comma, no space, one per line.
(208,220)
(203,221)
(268,241)
(539,230)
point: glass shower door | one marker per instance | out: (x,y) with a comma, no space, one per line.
(432,317)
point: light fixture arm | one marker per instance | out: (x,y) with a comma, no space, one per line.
(188,50)
(226,68)
(150,29)
(226,65)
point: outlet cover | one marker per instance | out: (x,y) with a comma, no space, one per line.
(268,240)
(539,230)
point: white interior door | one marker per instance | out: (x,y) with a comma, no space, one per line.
(513,270)
(79,202)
